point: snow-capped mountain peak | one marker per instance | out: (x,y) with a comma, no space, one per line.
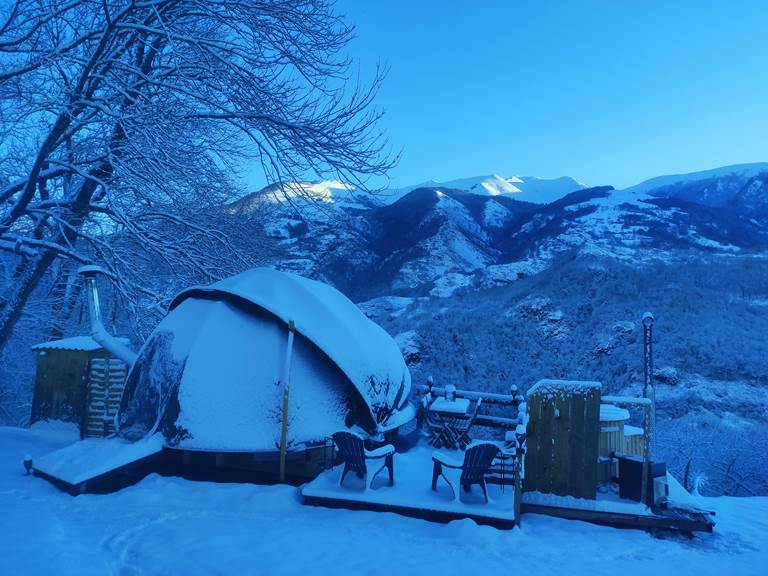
(526,188)
(495,185)
(329,191)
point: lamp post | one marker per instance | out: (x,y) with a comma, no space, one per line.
(648,388)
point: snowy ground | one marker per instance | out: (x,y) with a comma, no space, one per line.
(173,526)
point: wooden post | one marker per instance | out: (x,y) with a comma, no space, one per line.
(284,434)
(518,483)
(286,388)
(647,423)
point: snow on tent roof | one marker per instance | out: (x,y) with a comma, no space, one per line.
(82,343)
(357,345)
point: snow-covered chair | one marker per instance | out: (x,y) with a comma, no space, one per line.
(462,428)
(477,461)
(355,456)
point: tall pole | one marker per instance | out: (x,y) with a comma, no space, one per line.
(286,389)
(648,389)
(649,412)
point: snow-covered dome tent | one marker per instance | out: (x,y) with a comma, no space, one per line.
(210,376)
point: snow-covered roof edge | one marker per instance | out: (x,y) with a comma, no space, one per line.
(362,349)
(78,343)
(611,413)
(562,386)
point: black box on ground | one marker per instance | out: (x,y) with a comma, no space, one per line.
(631,474)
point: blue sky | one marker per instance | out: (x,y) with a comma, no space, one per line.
(610,92)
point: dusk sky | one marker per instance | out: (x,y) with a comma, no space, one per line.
(606,92)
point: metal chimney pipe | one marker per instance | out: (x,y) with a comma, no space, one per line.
(98,332)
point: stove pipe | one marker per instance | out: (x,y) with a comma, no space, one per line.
(98,332)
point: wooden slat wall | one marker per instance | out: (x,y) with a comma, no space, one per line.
(561,447)
(544,471)
(591,443)
(634,444)
(60,385)
(533,435)
(562,451)
(611,437)
(105,390)
(578,437)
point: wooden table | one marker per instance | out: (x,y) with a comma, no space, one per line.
(453,407)
(447,420)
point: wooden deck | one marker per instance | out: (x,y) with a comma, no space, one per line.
(682,520)
(99,464)
(412,495)
(682,513)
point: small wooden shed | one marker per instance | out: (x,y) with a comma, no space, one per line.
(78,381)
(563,438)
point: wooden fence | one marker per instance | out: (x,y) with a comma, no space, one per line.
(563,437)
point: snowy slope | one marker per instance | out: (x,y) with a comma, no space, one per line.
(736,172)
(323,191)
(525,188)
(166,525)
(546,190)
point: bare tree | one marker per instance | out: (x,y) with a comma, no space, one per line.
(124,124)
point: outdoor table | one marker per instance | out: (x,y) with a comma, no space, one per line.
(446,419)
(459,406)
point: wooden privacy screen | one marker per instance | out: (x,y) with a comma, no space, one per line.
(105,390)
(563,438)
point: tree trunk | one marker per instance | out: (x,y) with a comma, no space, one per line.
(64,298)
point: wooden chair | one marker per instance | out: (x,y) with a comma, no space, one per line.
(477,462)
(440,431)
(353,453)
(461,431)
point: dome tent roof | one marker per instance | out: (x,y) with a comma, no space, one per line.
(362,349)
(206,376)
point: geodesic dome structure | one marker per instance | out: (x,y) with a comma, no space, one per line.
(212,373)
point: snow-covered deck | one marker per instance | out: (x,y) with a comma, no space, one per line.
(412,493)
(75,465)
(683,511)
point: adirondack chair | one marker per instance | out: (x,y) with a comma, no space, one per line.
(477,461)
(355,456)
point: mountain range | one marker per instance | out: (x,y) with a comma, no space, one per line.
(436,238)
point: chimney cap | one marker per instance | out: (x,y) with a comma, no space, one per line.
(90,270)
